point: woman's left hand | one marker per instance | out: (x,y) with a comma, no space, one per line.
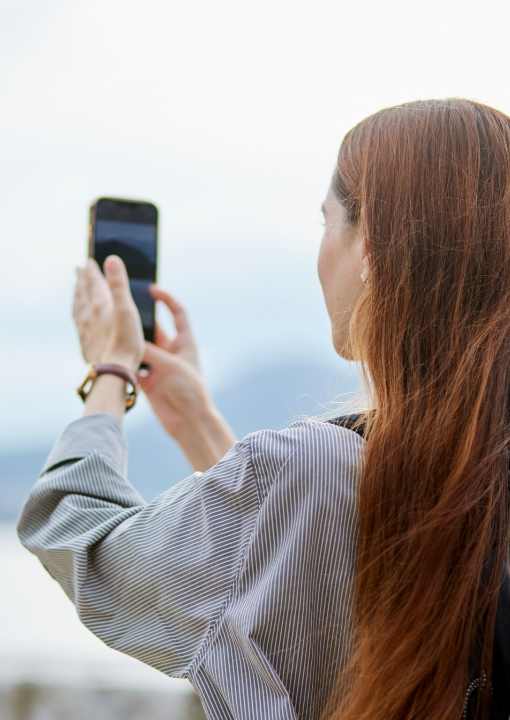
(106,316)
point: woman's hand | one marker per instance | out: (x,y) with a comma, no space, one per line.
(110,331)
(106,316)
(178,394)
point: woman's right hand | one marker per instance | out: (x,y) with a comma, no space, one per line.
(177,392)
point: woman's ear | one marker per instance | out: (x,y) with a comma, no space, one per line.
(365,258)
(366,267)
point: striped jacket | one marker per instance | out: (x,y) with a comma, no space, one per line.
(238,578)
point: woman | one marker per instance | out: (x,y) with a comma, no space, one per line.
(308,573)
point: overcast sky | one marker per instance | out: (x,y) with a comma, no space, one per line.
(228,115)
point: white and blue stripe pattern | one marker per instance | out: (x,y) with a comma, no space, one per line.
(239,578)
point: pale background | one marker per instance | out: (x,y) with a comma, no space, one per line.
(228,115)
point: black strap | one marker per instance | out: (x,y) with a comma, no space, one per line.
(500,676)
(349,421)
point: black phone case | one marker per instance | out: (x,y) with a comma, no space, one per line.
(148,333)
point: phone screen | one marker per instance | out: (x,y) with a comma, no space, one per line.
(129,229)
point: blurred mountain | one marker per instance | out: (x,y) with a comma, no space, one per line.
(269,399)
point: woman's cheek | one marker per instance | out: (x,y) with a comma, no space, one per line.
(327,267)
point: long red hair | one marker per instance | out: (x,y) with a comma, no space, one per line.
(428,184)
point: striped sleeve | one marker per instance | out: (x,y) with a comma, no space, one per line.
(149,579)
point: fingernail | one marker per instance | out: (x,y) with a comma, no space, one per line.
(113,264)
(90,262)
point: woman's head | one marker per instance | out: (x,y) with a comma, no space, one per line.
(420,202)
(416,193)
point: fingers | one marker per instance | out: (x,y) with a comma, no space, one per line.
(89,281)
(118,281)
(161,339)
(98,287)
(156,357)
(80,292)
(82,312)
(179,314)
(106,316)
(127,335)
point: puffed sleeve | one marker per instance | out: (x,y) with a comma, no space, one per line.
(149,579)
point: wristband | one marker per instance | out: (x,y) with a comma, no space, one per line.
(97,369)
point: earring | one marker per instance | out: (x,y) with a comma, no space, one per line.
(364,278)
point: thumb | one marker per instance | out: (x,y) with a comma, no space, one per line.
(158,358)
(117,278)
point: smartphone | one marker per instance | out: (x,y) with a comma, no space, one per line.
(129,229)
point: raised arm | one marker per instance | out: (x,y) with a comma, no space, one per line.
(150,579)
(178,394)
(110,332)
